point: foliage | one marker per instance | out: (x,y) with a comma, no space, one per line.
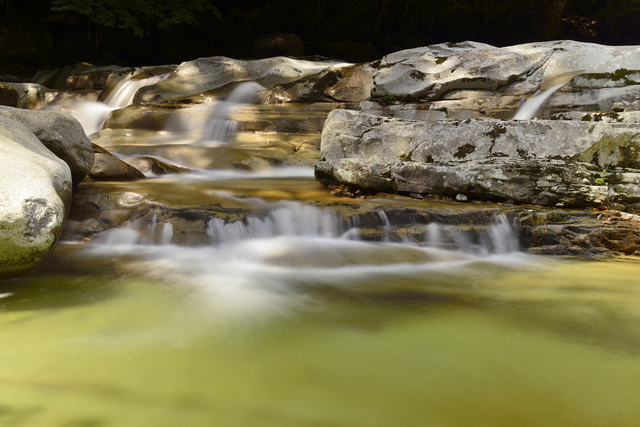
(137,16)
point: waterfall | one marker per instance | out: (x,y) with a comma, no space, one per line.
(93,115)
(531,106)
(211,121)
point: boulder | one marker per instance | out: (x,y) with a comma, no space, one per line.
(206,74)
(147,164)
(109,168)
(350,84)
(32,95)
(281,44)
(46,78)
(566,163)
(35,194)
(9,96)
(60,133)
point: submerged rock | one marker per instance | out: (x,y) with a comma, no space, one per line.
(35,194)
(543,162)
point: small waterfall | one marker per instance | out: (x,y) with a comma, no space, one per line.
(433,234)
(531,106)
(386,225)
(498,239)
(502,236)
(211,121)
(138,233)
(93,115)
(126,89)
(294,220)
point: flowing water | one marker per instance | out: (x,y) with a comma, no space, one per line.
(292,313)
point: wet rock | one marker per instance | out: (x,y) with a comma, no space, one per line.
(32,96)
(350,84)
(206,74)
(543,162)
(60,133)
(110,168)
(281,44)
(155,166)
(46,77)
(35,194)
(9,96)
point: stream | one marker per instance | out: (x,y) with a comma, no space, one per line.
(296,314)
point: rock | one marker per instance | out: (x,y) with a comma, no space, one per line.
(32,96)
(135,77)
(206,74)
(281,44)
(46,77)
(23,37)
(35,193)
(149,164)
(350,84)
(543,162)
(108,168)
(60,133)
(9,96)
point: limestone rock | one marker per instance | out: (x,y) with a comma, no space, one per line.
(109,168)
(60,133)
(35,193)
(205,74)
(572,163)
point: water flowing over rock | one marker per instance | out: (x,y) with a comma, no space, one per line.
(206,74)
(35,194)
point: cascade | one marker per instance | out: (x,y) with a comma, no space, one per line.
(531,106)
(92,115)
(210,121)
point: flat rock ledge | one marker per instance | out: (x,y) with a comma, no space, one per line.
(543,162)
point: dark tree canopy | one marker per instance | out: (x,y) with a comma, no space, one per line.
(173,30)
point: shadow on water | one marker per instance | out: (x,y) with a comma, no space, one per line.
(67,281)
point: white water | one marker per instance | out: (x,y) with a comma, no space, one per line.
(529,109)
(211,121)
(92,115)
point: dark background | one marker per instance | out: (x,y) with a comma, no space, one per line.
(139,32)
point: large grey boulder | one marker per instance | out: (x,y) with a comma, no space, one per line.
(571,163)
(35,195)
(60,133)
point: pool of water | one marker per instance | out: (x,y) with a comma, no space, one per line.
(239,335)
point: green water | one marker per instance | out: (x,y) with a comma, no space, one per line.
(97,341)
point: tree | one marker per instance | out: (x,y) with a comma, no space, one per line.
(137,16)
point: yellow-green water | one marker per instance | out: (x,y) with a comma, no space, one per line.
(137,339)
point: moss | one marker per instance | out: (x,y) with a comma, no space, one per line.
(464,151)
(387,100)
(618,75)
(586,118)
(440,59)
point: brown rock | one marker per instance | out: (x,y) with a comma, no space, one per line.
(9,96)
(109,168)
